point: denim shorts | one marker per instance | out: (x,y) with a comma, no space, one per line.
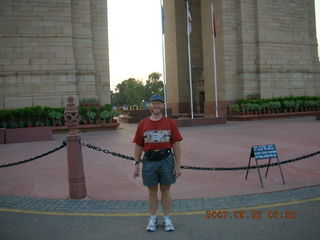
(155,172)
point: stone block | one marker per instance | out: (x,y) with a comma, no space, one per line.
(50,101)
(60,60)
(52,30)
(266,93)
(298,83)
(29,30)
(1,102)
(297,92)
(17,102)
(281,92)
(39,61)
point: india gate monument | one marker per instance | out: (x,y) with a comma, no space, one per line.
(51,49)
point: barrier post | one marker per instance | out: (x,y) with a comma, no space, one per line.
(77,184)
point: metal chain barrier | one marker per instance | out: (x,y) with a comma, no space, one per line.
(207,168)
(108,152)
(64,143)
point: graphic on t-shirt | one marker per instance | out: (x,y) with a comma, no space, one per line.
(157,136)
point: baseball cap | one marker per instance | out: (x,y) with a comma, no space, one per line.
(156,97)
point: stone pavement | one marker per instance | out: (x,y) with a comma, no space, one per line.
(291,214)
(117,208)
(223,145)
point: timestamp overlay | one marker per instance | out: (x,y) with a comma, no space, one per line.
(276,214)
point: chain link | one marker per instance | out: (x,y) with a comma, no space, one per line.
(64,143)
(207,168)
(108,152)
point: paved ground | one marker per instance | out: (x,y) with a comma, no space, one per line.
(291,214)
(33,196)
(227,145)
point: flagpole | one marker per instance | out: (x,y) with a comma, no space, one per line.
(189,56)
(214,60)
(164,62)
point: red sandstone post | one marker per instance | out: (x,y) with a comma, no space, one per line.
(77,184)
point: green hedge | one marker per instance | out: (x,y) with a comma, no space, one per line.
(47,116)
(281,104)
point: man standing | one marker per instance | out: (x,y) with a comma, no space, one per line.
(156,136)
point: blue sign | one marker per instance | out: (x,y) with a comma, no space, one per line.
(264,151)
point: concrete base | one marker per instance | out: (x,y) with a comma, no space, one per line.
(28,134)
(271,116)
(188,122)
(2,135)
(88,127)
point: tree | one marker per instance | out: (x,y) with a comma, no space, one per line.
(153,85)
(130,92)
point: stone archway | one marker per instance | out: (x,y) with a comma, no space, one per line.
(50,51)
(265,47)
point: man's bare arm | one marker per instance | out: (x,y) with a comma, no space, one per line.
(137,152)
(177,152)
(137,156)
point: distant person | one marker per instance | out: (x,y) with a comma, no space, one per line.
(156,136)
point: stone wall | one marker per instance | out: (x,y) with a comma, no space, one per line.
(264,47)
(50,50)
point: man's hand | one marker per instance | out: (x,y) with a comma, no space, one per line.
(177,171)
(136,171)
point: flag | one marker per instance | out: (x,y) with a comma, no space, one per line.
(162,16)
(189,26)
(213,22)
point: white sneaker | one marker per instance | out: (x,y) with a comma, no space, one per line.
(152,225)
(168,225)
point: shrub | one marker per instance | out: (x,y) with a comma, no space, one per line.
(288,105)
(248,107)
(56,116)
(89,101)
(256,107)
(2,115)
(83,113)
(105,115)
(114,113)
(106,107)
(52,115)
(235,108)
(91,115)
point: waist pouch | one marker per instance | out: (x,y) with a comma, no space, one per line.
(157,155)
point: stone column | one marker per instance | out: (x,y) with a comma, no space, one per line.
(99,29)
(77,184)
(176,56)
(82,48)
(208,68)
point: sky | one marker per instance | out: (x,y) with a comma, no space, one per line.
(135,38)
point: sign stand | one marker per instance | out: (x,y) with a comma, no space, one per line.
(262,152)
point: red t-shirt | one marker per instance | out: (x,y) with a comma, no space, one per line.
(155,135)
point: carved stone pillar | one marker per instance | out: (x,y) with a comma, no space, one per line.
(77,184)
